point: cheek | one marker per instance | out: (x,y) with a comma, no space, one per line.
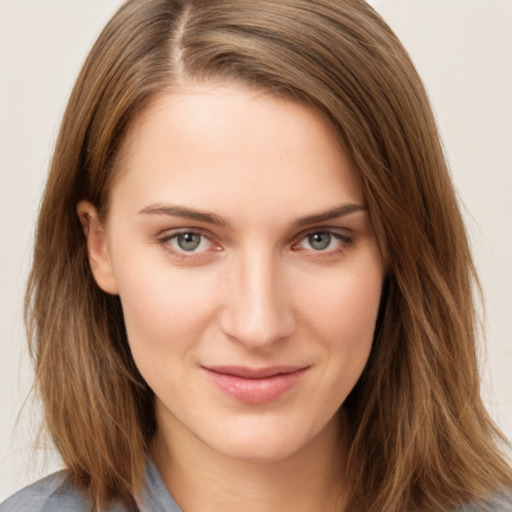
(346,306)
(344,315)
(165,311)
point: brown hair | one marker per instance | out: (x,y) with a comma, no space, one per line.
(420,435)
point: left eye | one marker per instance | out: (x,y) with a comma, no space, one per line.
(322,241)
(189,242)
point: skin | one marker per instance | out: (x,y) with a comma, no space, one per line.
(260,290)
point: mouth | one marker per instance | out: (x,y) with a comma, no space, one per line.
(255,385)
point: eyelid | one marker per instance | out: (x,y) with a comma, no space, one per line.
(166,234)
(338,233)
(164,238)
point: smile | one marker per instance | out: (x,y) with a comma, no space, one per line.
(255,385)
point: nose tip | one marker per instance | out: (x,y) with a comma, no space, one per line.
(258,329)
(259,309)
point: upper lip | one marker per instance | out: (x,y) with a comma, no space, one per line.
(254,373)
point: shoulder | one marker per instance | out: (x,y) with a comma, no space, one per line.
(54,493)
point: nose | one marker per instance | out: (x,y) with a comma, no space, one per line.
(258,308)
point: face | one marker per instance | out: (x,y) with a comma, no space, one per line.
(249,273)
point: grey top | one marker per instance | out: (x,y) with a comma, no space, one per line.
(56,494)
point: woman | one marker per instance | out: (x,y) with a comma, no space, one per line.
(252,286)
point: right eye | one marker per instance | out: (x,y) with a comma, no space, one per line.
(187,242)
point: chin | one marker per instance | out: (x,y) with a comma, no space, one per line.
(267,443)
(259,451)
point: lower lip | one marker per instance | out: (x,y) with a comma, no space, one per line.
(256,391)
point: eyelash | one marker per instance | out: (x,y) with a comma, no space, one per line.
(343,242)
(166,243)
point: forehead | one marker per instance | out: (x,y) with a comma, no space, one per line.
(223,146)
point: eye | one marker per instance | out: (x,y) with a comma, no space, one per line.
(323,241)
(319,241)
(188,242)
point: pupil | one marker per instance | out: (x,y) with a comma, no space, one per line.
(319,241)
(189,241)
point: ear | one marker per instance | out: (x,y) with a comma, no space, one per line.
(97,250)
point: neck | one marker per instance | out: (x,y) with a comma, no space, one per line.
(202,480)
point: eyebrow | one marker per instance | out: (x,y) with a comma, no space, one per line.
(334,213)
(212,218)
(185,213)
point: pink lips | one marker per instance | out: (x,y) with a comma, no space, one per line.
(255,385)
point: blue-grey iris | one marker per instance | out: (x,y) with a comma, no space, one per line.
(188,241)
(319,241)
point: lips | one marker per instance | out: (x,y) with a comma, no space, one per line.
(255,385)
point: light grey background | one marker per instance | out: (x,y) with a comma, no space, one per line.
(463,50)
